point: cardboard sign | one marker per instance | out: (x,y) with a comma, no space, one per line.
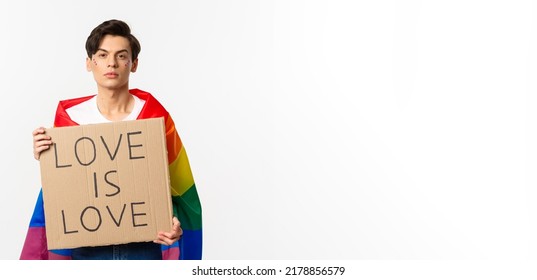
(106,184)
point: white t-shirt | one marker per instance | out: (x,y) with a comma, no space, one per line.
(87,112)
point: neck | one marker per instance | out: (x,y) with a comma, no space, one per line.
(114,104)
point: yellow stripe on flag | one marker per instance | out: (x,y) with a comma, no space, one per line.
(180,174)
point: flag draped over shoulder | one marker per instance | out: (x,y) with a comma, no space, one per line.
(186,203)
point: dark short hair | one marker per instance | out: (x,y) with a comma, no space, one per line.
(111,27)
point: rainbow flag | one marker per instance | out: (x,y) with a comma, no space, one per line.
(186,203)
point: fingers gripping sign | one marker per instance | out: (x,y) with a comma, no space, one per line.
(168,238)
(41,141)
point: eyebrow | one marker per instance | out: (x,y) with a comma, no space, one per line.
(123,50)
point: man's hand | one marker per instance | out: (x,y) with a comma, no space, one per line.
(168,238)
(41,141)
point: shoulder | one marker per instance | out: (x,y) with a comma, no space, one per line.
(68,103)
(62,118)
(152,107)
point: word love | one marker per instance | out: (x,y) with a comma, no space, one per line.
(94,214)
(83,141)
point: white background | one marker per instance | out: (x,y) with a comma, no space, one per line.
(315,129)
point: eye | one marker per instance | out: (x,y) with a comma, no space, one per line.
(101,55)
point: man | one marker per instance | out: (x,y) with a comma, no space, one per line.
(112,55)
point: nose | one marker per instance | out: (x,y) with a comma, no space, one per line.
(112,61)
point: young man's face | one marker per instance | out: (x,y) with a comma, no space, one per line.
(112,63)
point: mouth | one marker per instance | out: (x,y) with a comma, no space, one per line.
(111,75)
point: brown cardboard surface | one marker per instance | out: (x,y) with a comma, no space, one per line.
(106,184)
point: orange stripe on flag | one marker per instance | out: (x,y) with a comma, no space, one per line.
(173,141)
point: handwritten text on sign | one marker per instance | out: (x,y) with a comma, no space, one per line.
(108,178)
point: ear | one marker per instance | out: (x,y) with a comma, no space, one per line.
(134,65)
(88,64)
